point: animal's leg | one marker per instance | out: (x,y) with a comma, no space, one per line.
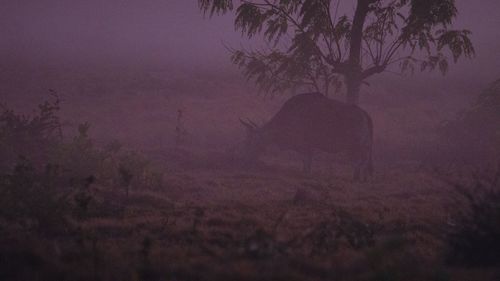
(362,170)
(357,165)
(307,161)
(368,163)
(369,168)
(357,173)
(362,163)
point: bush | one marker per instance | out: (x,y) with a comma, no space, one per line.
(34,136)
(475,240)
(475,132)
(45,179)
(34,200)
(394,259)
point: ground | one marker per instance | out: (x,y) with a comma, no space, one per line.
(208,216)
(264,223)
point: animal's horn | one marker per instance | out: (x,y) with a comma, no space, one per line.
(246,124)
(252,123)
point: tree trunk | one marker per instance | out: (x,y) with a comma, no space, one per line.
(353,77)
(353,84)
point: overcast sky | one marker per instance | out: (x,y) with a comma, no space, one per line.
(166,31)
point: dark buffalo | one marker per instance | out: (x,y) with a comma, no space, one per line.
(312,122)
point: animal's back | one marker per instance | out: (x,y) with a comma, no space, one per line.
(314,121)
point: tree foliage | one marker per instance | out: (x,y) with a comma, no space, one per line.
(477,128)
(310,44)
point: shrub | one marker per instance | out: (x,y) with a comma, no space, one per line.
(34,200)
(475,239)
(44,179)
(34,136)
(78,157)
(475,132)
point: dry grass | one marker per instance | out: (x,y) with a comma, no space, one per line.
(214,219)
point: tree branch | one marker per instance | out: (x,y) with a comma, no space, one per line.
(372,70)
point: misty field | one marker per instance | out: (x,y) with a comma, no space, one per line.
(145,183)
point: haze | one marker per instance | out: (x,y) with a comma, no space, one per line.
(161,32)
(132,149)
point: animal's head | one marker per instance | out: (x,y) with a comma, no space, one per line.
(254,142)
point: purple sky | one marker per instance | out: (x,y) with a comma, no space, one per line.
(166,31)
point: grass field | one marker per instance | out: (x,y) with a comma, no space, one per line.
(195,212)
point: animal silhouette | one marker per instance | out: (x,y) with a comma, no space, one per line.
(312,122)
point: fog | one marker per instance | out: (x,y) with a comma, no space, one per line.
(160,32)
(131,148)
(174,57)
(123,32)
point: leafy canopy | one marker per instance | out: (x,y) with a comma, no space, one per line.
(310,44)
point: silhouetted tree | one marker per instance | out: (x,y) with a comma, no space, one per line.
(309,43)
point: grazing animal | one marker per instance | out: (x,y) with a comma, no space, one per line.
(312,122)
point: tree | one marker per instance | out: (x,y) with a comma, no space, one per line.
(308,44)
(476,129)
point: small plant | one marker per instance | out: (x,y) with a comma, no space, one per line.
(198,216)
(260,245)
(126,177)
(113,147)
(147,243)
(326,235)
(394,260)
(358,233)
(79,157)
(83,198)
(146,271)
(180,130)
(324,238)
(135,170)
